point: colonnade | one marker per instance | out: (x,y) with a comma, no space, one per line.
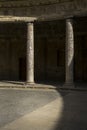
(69,53)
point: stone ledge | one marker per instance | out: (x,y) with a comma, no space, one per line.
(40,86)
(16,19)
(22,3)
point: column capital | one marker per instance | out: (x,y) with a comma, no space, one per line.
(70,17)
(69,20)
(31,22)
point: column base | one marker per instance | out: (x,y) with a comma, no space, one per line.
(69,85)
(29,83)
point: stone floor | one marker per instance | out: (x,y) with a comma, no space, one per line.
(43,109)
(43,85)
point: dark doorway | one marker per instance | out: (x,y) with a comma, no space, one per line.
(22,69)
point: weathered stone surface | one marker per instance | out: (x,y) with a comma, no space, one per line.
(69,51)
(29,2)
(30,53)
(16,19)
(47,10)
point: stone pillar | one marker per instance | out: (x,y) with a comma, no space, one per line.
(30,54)
(69,52)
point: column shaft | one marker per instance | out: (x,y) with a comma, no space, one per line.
(30,53)
(69,51)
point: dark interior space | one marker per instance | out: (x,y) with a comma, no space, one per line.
(12,51)
(49,47)
(50,51)
(80,63)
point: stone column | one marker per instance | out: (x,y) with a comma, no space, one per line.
(69,52)
(30,54)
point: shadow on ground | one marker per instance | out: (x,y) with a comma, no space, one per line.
(74,114)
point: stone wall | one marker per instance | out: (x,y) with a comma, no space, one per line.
(30,2)
(12,48)
(44,10)
(80,64)
(50,50)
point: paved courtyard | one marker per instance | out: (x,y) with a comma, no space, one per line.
(38,109)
